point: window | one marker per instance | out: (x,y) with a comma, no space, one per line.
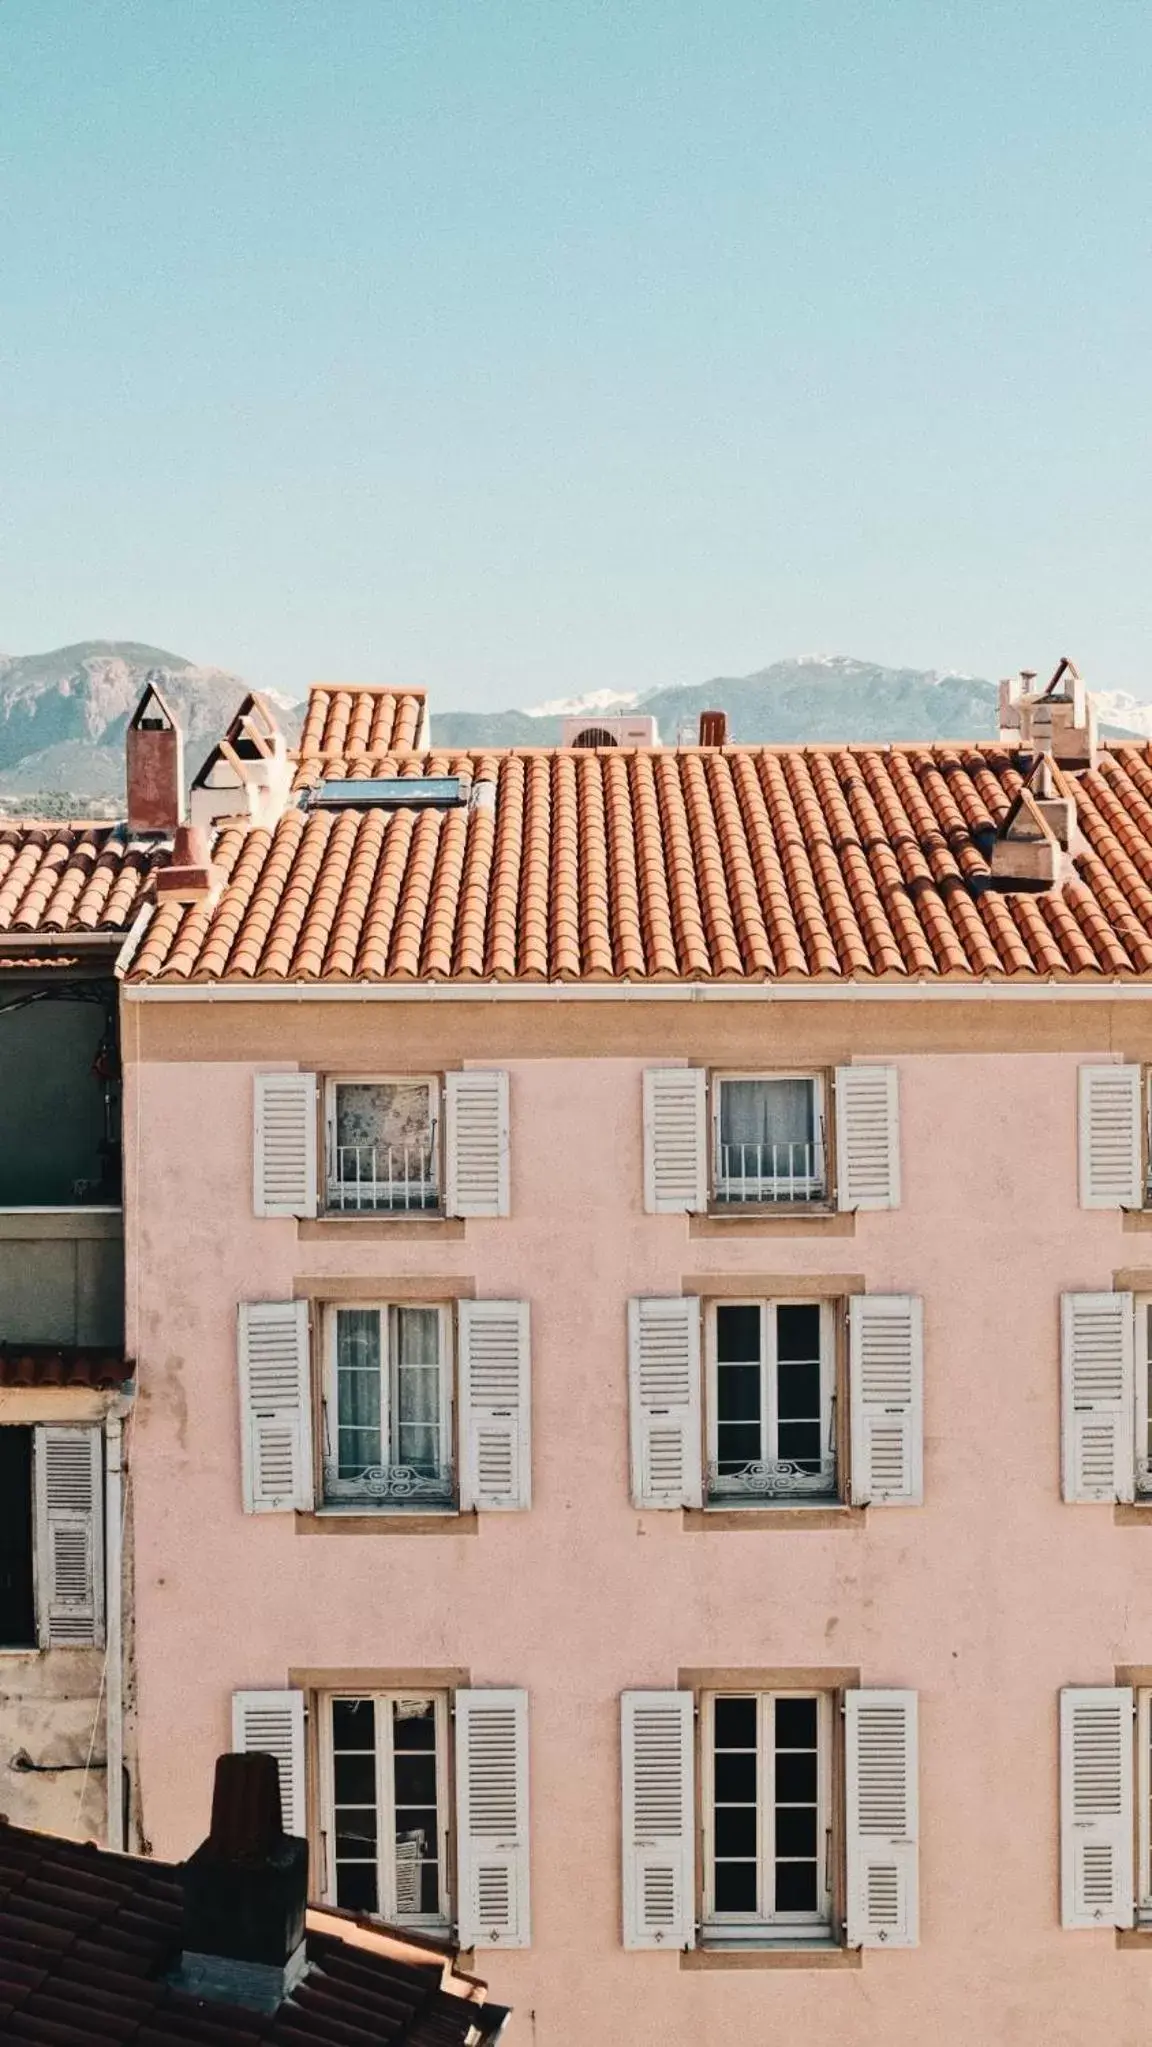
(388,1406)
(386,1806)
(51,1537)
(768,1139)
(383,1146)
(17,1580)
(767,1815)
(771,1401)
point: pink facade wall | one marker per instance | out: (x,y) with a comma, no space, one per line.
(987,1599)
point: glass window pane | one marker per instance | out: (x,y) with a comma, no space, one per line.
(798,1330)
(738,1393)
(796,1830)
(797,1887)
(799,1443)
(738,1333)
(737,1444)
(355,1780)
(416,1336)
(798,1392)
(795,1779)
(416,1806)
(735,1830)
(767,1112)
(358,1390)
(735,1779)
(357,1887)
(735,1887)
(734,1722)
(353,1724)
(415,1779)
(796,1722)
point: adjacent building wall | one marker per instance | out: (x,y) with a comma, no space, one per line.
(987,1599)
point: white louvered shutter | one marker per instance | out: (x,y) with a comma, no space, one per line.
(886,1396)
(275,1406)
(656,1743)
(664,1401)
(284,1144)
(675,1139)
(476,1143)
(273,1722)
(69,1538)
(867,1137)
(1111,1151)
(882,1818)
(495,1405)
(1097,1740)
(1098,1405)
(492,1818)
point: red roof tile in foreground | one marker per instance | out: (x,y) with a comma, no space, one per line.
(73,878)
(747,863)
(87,1940)
(350,730)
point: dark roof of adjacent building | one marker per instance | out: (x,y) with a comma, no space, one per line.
(91,1366)
(87,1940)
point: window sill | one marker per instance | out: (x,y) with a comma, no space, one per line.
(773,1955)
(1139,1936)
(340,1521)
(821,1514)
(1136,1219)
(1133,1514)
(806,1219)
(371,1228)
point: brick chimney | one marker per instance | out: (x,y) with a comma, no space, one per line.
(155,750)
(713,728)
(245,1891)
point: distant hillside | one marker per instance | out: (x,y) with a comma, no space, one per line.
(63,714)
(63,717)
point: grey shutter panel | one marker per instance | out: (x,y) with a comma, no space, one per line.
(495,1405)
(492,1818)
(1097,1741)
(476,1143)
(886,1395)
(1111,1149)
(273,1722)
(867,1137)
(664,1401)
(284,1144)
(275,1406)
(69,1537)
(675,1139)
(882,1818)
(1098,1396)
(658,1868)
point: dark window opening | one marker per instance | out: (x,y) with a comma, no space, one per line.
(17,1595)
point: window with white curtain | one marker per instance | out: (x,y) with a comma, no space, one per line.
(388,1406)
(768,1140)
(383,1146)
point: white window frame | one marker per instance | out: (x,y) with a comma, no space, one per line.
(1144,1806)
(365,1503)
(1142,1336)
(769,1418)
(820,1194)
(767,1926)
(401,1212)
(434,1922)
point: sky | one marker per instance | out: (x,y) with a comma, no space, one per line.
(518,348)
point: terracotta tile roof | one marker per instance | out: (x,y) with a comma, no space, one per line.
(87,1940)
(350,731)
(743,863)
(58,879)
(71,1364)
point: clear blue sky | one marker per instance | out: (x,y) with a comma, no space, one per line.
(518,347)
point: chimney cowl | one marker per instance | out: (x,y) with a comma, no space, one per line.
(245,1893)
(154,763)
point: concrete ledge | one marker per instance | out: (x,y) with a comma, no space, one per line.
(33,1223)
(772,1958)
(340,1523)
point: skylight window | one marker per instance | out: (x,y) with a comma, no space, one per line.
(390,792)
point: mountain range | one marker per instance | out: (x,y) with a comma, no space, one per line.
(63,714)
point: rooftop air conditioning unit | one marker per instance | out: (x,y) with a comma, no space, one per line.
(592,731)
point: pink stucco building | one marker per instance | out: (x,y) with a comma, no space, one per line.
(634,1266)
